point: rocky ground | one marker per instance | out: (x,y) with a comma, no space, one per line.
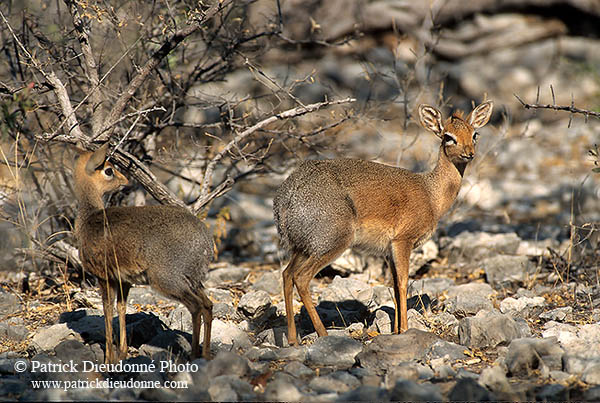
(505,300)
(490,318)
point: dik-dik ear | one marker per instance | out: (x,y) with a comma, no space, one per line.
(97,159)
(481,115)
(431,119)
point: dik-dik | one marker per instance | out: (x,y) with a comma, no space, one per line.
(326,207)
(164,246)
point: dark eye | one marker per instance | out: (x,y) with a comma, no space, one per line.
(475,136)
(449,139)
(108,172)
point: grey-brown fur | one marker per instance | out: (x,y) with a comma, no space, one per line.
(163,246)
(325,207)
(315,206)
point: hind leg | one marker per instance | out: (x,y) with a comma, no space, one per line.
(201,311)
(302,276)
(187,289)
(206,310)
(196,322)
(288,295)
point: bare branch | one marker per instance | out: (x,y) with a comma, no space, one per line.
(255,69)
(150,65)
(219,190)
(147,179)
(129,163)
(59,251)
(125,136)
(291,113)
(59,127)
(57,86)
(571,108)
(91,67)
(74,135)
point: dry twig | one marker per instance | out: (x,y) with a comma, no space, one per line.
(291,113)
(570,108)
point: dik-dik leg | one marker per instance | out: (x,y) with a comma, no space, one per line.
(122,293)
(401,254)
(288,296)
(108,299)
(208,318)
(202,312)
(303,272)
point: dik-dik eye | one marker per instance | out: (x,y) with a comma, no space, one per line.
(475,137)
(449,138)
(108,172)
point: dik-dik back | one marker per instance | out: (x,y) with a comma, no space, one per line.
(142,244)
(163,246)
(358,203)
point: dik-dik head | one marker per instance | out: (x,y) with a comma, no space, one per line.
(94,176)
(457,133)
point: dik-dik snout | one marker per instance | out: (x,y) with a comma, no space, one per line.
(113,179)
(325,207)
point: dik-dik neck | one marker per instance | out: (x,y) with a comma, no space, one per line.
(88,201)
(444,182)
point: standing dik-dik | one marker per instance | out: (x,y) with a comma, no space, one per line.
(164,246)
(326,207)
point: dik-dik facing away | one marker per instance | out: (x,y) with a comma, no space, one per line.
(326,207)
(164,246)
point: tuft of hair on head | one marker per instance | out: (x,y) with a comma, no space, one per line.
(458,114)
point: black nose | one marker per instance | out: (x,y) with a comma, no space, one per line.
(467,157)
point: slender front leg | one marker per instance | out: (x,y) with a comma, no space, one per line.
(392,268)
(401,254)
(108,298)
(122,293)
